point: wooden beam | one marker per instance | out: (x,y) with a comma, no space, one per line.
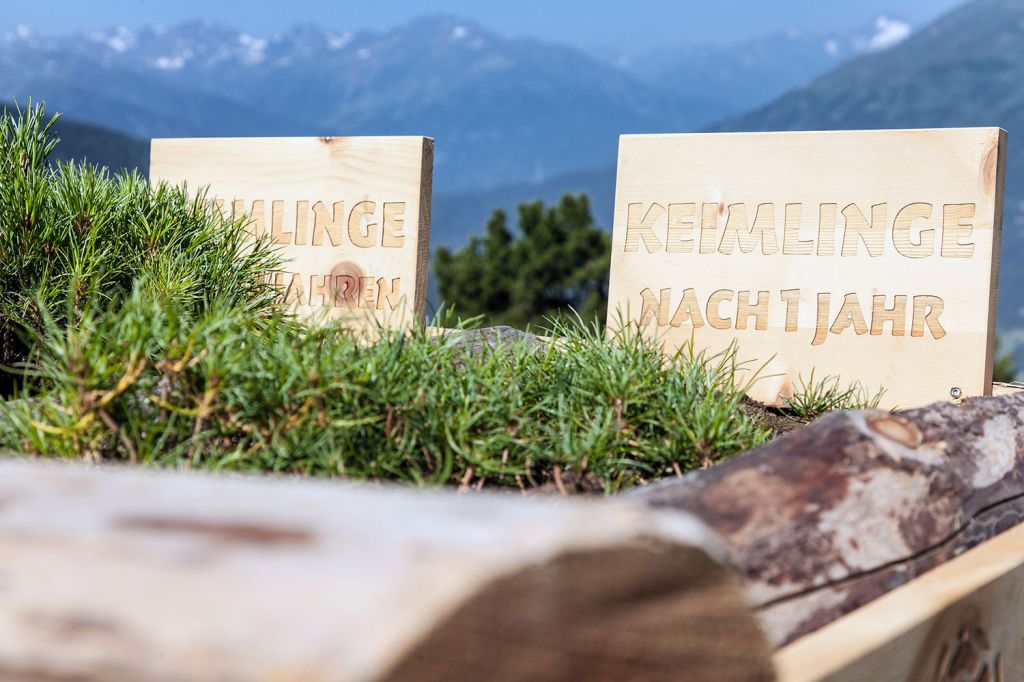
(961,621)
(126,574)
(829,517)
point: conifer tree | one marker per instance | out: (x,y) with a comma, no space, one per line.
(1004,368)
(556,264)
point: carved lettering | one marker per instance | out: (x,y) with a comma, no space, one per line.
(850,315)
(639,226)
(873,234)
(792,299)
(362,230)
(897,315)
(926,313)
(713,309)
(655,307)
(925,244)
(792,245)
(709,227)
(333,224)
(394,212)
(688,311)
(681,220)
(827,229)
(745,309)
(761,232)
(954,229)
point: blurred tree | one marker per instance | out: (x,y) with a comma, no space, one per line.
(557,263)
(1003,368)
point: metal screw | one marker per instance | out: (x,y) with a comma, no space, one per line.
(956,393)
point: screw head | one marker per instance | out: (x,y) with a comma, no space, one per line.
(956,393)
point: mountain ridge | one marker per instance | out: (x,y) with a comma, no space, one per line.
(505,111)
(521,109)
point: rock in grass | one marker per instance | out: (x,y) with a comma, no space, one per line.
(474,341)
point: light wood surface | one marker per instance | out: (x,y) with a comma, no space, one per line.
(116,574)
(867,255)
(1003,388)
(962,621)
(835,514)
(351,215)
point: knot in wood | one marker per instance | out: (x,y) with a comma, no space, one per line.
(898,429)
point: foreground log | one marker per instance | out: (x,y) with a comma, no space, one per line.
(829,517)
(116,574)
(960,621)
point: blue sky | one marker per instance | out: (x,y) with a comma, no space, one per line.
(631,26)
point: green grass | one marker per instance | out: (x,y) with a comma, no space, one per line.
(814,398)
(154,383)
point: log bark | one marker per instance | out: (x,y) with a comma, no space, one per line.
(829,517)
(960,621)
(126,574)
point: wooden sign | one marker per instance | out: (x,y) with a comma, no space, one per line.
(351,215)
(870,256)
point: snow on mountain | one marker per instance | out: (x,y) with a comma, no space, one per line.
(521,109)
(753,72)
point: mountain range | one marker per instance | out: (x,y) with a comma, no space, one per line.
(503,111)
(109,148)
(744,75)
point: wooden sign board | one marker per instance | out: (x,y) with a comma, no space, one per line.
(351,215)
(870,256)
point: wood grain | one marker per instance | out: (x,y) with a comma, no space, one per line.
(123,574)
(829,517)
(350,215)
(867,255)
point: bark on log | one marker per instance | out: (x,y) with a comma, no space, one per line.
(829,517)
(959,622)
(121,574)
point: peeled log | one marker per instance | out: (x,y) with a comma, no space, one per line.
(830,516)
(120,574)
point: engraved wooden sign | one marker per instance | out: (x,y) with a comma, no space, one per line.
(871,256)
(351,215)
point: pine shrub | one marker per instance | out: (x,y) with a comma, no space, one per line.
(72,235)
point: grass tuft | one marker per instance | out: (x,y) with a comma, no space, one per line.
(815,398)
(73,236)
(154,382)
